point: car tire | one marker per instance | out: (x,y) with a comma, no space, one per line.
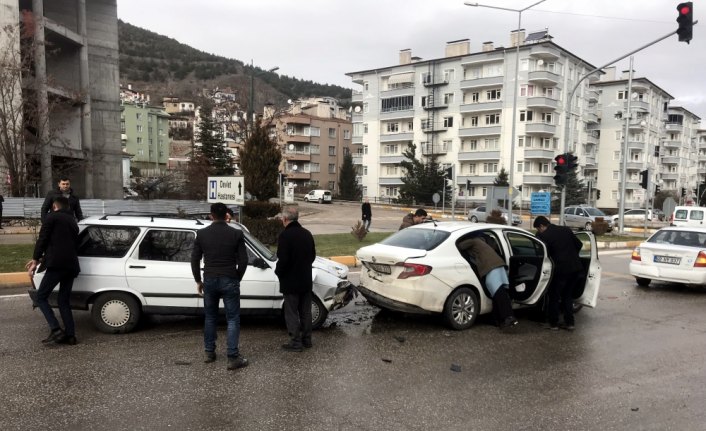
(461,308)
(588,227)
(319,313)
(115,313)
(642,282)
(474,219)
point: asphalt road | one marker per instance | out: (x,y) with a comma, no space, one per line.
(634,362)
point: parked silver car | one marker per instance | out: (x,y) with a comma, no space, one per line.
(480,215)
(581,217)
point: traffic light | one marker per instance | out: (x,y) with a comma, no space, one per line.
(644,177)
(468,184)
(449,172)
(571,162)
(598,193)
(683,192)
(685,20)
(561,169)
(657,189)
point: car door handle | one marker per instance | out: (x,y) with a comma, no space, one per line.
(138,266)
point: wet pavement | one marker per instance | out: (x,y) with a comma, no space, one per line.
(635,362)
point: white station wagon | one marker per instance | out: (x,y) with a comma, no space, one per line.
(422,270)
(134,265)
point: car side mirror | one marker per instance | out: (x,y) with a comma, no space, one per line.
(260,263)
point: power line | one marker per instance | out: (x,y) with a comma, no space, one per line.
(600,16)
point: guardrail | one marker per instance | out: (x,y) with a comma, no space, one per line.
(31,207)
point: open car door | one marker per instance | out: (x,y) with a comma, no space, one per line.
(587,293)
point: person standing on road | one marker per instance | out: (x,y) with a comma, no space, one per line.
(296,252)
(57,246)
(492,268)
(63,189)
(225,261)
(413,218)
(2,199)
(563,248)
(367,214)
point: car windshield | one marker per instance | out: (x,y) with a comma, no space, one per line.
(420,239)
(260,247)
(679,237)
(594,212)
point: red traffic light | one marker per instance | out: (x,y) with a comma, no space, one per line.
(560,160)
(684,10)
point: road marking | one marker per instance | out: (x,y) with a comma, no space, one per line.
(18,295)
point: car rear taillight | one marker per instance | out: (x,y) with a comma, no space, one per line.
(636,254)
(413,270)
(700,260)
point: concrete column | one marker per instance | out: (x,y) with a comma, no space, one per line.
(40,71)
(86,134)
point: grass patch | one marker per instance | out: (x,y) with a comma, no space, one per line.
(344,244)
(15,256)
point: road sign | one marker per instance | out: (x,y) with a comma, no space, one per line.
(289,194)
(228,190)
(436,198)
(541,203)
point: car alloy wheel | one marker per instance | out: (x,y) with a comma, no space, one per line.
(474,219)
(461,308)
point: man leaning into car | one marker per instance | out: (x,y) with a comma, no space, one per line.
(225,261)
(411,219)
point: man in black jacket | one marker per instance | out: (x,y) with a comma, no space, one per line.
(296,252)
(2,199)
(63,189)
(563,248)
(367,214)
(225,261)
(57,245)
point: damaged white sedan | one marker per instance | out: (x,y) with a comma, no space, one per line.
(140,264)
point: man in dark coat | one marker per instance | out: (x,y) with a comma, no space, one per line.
(57,246)
(367,216)
(225,261)
(413,218)
(2,199)
(296,252)
(563,248)
(63,189)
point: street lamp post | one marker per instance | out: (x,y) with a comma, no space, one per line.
(251,105)
(514,97)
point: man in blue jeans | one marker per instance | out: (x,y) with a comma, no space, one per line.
(225,261)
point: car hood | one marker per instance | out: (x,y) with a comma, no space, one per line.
(328,265)
(387,254)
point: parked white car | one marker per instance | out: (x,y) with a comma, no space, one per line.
(582,217)
(421,270)
(480,214)
(672,254)
(635,217)
(134,265)
(320,196)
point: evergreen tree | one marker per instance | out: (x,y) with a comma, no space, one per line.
(347,185)
(576,192)
(213,147)
(259,160)
(422,179)
(502,178)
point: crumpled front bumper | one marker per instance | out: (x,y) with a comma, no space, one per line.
(345,292)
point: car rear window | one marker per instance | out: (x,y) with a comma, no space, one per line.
(420,239)
(594,212)
(680,214)
(106,241)
(679,237)
(327,193)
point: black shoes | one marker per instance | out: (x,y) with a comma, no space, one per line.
(509,322)
(307,344)
(209,357)
(66,339)
(236,362)
(54,335)
(569,328)
(290,347)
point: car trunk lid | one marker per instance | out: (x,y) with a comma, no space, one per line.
(383,258)
(669,255)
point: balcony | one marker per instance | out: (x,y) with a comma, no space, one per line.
(491,81)
(433,127)
(672,176)
(636,125)
(671,144)
(432,81)
(299,154)
(543,77)
(630,185)
(589,161)
(635,166)
(592,95)
(636,145)
(540,128)
(357,140)
(407,112)
(540,102)
(493,105)
(391,159)
(357,160)
(590,117)
(297,138)
(670,160)
(479,131)
(674,127)
(296,119)
(357,117)
(640,86)
(435,104)
(357,96)
(545,52)
(388,181)
(539,154)
(543,180)
(700,171)
(639,105)
(396,137)
(429,149)
(298,175)
(478,155)
(592,137)
(487,57)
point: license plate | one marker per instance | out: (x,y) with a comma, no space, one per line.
(382,269)
(667,259)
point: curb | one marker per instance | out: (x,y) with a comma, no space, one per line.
(14,279)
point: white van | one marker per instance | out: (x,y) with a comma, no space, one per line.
(320,196)
(688,216)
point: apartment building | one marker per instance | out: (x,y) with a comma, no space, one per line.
(701,159)
(459,108)
(145,136)
(75,60)
(314,135)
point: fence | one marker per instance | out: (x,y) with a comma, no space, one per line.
(31,207)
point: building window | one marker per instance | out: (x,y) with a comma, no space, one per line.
(491,143)
(346,134)
(519,166)
(448,98)
(139,140)
(491,119)
(449,75)
(393,127)
(138,116)
(122,126)
(391,149)
(331,150)
(472,169)
(520,141)
(526,116)
(331,168)
(140,152)
(527,90)
(474,121)
(484,192)
(400,103)
(332,185)
(315,149)
(472,145)
(544,168)
(622,95)
(365,85)
(139,128)
(365,128)
(315,167)
(492,94)
(366,107)
(391,170)
(475,97)
(424,101)
(490,168)
(365,170)
(365,149)
(331,132)
(616,175)
(448,122)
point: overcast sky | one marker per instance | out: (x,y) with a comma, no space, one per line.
(321,40)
